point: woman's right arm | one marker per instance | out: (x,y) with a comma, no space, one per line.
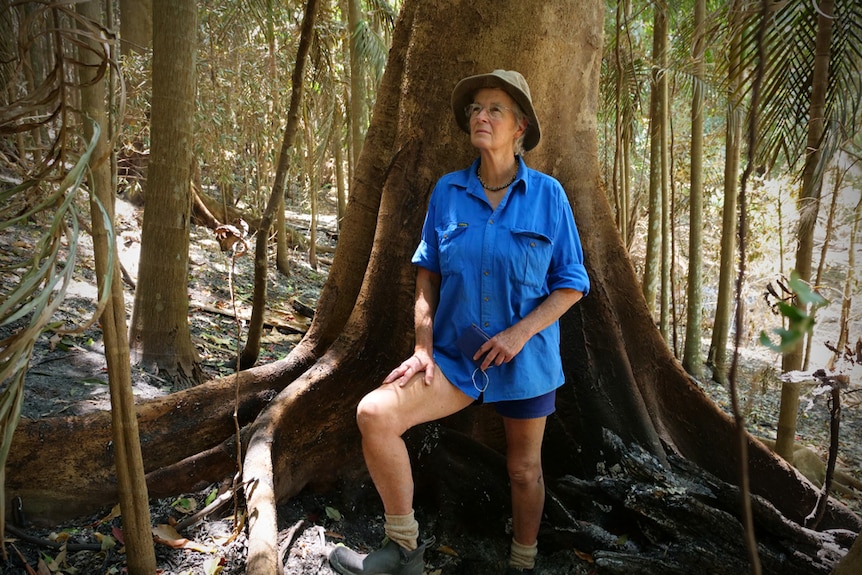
(427,296)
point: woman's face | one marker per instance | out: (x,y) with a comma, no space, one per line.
(493,124)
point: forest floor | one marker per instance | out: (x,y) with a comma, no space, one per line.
(67,376)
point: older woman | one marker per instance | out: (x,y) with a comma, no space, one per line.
(498,263)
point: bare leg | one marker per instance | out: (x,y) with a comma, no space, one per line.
(384,415)
(524,462)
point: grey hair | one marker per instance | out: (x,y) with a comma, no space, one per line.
(520,116)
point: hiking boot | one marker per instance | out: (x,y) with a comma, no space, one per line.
(391,559)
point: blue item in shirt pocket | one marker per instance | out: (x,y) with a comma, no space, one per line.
(531,256)
(471,340)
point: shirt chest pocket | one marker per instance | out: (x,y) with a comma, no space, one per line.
(530,256)
(450,240)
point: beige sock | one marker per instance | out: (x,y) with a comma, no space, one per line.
(402,529)
(523,556)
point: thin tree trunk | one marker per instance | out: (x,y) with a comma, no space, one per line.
(251,350)
(337,145)
(666,216)
(618,177)
(692,358)
(131,485)
(282,258)
(809,204)
(717,356)
(652,259)
(824,251)
(357,85)
(313,174)
(850,282)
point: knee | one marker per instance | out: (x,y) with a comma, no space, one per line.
(373,416)
(525,474)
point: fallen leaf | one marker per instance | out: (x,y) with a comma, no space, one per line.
(213,565)
(185,505)
(115,512)
(447,550)
(585,556)
(106,541)
(167,535)
(333,513)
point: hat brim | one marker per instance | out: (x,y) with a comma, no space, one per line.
(463,93)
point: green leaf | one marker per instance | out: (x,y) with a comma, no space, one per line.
(805,292)
(333,513)
(185,505)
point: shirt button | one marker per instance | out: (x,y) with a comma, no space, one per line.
(532,244)
(485,272)
(487,324)
(491,221)
(487,298)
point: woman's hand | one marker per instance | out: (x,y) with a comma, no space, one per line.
(421,360)
(502,348)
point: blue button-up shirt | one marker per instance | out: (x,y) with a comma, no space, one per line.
(497,266)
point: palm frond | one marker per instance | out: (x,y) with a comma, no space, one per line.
(786,91)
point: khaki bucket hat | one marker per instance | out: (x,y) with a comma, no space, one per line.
(513,83)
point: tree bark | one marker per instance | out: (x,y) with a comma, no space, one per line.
(692,357)
(131,485)
(852,562)
(652,259)
(160,335)
(717,355)
(136,26)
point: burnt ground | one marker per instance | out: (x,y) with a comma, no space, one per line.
(67,376)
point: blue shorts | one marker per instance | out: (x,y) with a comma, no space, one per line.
(531,408)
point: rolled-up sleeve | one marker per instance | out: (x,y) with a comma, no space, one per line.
(427,252)
(567,270)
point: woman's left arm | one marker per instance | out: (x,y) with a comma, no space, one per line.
(504,346)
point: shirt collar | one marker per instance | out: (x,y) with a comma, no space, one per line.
(469,180)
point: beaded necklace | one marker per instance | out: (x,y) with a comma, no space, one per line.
(498,188)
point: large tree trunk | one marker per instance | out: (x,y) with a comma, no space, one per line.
(627,401)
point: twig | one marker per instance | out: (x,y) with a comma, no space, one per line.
(235,488)
(835,384)
(41,542)
(292,534)
(214,505)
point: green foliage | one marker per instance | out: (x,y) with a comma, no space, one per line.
(799,315)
